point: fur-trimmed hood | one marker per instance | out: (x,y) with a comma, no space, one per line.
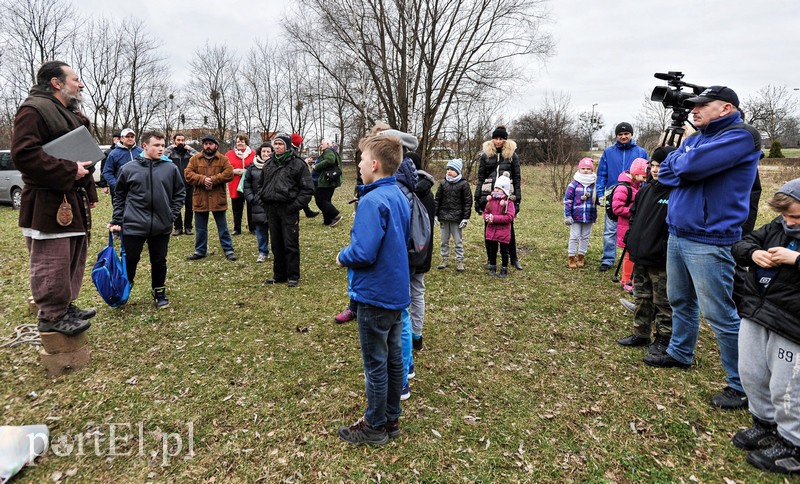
(509,148)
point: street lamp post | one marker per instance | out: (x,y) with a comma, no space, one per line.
(591,128)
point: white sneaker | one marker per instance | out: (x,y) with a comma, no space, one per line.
(261,258)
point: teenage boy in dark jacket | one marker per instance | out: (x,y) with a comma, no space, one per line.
(769,336)
(147,199)
(646,243)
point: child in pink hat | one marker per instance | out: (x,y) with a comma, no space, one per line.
(621,203)
(580,212)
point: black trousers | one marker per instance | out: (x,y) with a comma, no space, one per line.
(157,246)
(237,204)
(323,197)
(512,246)
(491,252)
(284,230)
(186,221)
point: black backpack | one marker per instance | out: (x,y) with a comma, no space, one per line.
(420,233)
(610,197)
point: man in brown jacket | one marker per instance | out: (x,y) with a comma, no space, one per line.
(55,216)
(209,172)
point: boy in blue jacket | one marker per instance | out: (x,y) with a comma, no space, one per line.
(378,281)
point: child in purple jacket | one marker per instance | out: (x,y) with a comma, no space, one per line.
(580,212)
(498,215)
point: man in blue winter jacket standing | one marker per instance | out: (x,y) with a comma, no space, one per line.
(124,151)
(712,174)
(615,159)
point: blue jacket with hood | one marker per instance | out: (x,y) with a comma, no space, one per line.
(120,155)
(615,160)
(712,174)
(377,257)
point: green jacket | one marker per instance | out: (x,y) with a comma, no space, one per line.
(327,159)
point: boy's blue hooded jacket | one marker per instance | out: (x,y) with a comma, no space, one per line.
(616,159)
(377,257)
(713,174)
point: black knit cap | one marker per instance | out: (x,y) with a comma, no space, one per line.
(623,128)
(660,153)
(500,132)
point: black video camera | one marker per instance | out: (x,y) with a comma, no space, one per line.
(673,97)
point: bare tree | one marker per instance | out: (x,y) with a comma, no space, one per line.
(588,124)
(213,71)
(261,80)
(769,109)
(417,55)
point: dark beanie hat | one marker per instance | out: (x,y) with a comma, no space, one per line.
(286,138)
(623,128)
(500,132)
(416,159)
(660,153)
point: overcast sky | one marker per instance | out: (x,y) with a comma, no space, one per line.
(606,51)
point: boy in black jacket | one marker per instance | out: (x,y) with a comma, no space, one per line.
(769,336)
(647,245)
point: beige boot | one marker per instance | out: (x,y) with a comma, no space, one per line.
(444,264)
(580,261)
(572,264)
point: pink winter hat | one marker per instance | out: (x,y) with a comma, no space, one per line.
(639,167)
(586,163)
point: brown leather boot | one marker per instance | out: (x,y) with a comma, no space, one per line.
(580,261)
(572,264)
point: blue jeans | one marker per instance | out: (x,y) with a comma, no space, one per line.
(408,358)
(262,237)
(201,232)
(609,243)
(379,331)
(700,279)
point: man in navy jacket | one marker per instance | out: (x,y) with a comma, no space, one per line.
(712,174)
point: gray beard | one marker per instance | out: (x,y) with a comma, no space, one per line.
(74,102)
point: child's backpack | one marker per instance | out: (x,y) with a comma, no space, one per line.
(110,276)
(610,198)
(419,238)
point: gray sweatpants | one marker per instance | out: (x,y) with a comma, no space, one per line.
(446,229)
(417,308)
(769,366)
(579,234)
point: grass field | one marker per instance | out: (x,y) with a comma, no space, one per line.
(520,380)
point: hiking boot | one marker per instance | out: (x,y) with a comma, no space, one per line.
(261,258)
(188,231)
(460,267)
(659,345)
(630,306)
(392,428)
(580,261)
(231,256)
(196,256)
(729,399)
(665,361)
(571,262)
(634,340)
(604,268)
(492,270)
(335,221)
(416,343)
(345,316)
(361,433)
(782,457)
(761,435)
(516,264)
(82,313)
(406,393)
(503,272)
(67,324)
(293,282)
(160,297)
(411,372)
(177,232)
(443,264)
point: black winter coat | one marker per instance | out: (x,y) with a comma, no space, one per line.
(453,201)
(252,185)
(424,192)
(493,164)
(648,234)
(778,309)
(288,185)
(148,198)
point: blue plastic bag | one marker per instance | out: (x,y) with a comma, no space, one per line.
(110,275)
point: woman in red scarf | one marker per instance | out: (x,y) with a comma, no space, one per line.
(240,157)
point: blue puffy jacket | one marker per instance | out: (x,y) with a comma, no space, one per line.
(616,159)
(712,174)
(118,157)
(377,257)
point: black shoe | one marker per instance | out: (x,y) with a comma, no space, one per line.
(503,272)
(604,268)
(492,270)
(67,324)
(177,232)
(516,265)
(761,435)
(782,457)
(634,340)
(272,280)
(236,232)
(231,256)
(416,343)
(659,346)
(188,231)
(729,399)
(160,297)
(335,221)
(361,433)
(293,283)
(392,428)
(665,361)
(82,313)
(196,256)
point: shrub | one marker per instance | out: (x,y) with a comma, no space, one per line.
(775,150)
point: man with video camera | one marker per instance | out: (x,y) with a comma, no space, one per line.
(712,173)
